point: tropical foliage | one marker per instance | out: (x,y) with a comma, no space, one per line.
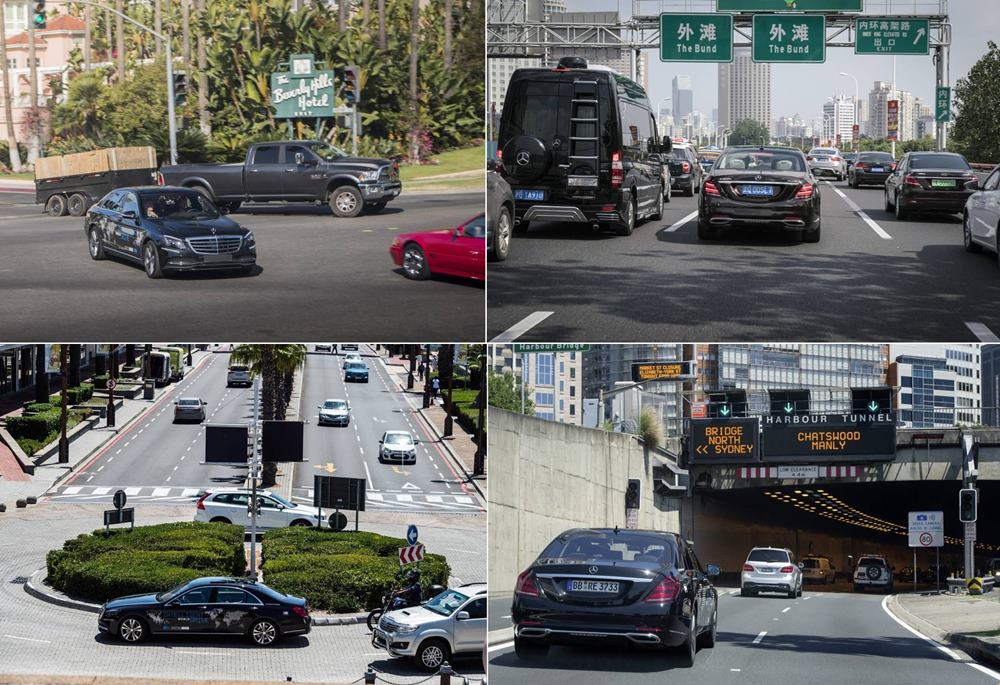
(504,391)
(976,131)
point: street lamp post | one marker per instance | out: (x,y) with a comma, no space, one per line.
(857,91)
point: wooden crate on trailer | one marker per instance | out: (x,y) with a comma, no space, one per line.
(95,162)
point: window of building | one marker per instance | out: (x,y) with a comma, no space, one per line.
(544,369)
(544,398)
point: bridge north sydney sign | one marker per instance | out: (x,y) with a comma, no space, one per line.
(724,441)
(828,438)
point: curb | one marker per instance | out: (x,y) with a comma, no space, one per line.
(350,619)
(976,647)
(36,588)
(496,637)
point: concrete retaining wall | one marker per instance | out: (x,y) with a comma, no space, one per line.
(548,477)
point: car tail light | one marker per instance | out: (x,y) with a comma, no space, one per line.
(300,612)
(809,158)
(201,502)
(787,569)
(685,167)
(748,568)
(911,180)
(805,192)
(859,165)
(617,170)
(665,591)
(159,179)
(835,159)
(709,187)
(526,585)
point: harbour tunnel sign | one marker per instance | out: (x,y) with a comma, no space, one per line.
(724,441)
(829,437)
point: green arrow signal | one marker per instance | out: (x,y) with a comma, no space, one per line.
(789,408)
(873,406)
(725,410)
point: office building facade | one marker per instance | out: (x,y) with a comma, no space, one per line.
(990,377)
(553,381)
(744,90)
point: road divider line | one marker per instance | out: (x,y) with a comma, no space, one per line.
(676,226)
(28,639)
(861,213)
(760,636)
(522,327)
(981,331)
(785,609)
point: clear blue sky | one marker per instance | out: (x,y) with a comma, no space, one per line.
(804,88)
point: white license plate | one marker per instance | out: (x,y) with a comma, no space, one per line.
(765,570)
(592,586)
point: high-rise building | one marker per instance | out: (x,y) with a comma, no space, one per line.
(878,98)
(554,379)
(990,378)
(926,397)
(965,365)
(744,90)
(838,119)
(682,100)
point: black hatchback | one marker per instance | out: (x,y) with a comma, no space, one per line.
(168,229)
(615,587)
(227,606)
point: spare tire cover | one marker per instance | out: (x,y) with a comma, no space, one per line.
(874,572)
(525,158)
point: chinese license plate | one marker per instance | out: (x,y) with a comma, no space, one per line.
(592,586)
(757,191)
(942,183)
(878,168)
(529,194)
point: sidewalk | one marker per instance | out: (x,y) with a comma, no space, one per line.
(969,622)
(460,446)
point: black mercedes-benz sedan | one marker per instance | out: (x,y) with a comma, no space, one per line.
(168,229)
(929,182)
(208,605)
(760,186)
(615,587)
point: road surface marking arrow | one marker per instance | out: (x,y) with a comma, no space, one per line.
(329,468)
(410,486)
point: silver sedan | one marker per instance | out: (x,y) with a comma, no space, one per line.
(189,409)
(981,219)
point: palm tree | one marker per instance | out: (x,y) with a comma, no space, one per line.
(41,369)
(446,372)
(414,93)
(15,158)
(120,39)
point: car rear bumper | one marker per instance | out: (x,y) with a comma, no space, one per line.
(791,215)
(670,633)
(682,181)
(930,201)
(866,177)
(603,206)
(776,582)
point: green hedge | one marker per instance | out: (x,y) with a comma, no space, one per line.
(37,407)
(74,395)
(340,572)
(101,566)
(33,426)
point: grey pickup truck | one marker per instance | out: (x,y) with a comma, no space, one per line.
(294,171)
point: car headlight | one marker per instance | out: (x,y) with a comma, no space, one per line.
(406,630)
(173,243)
(368,176)
(250,240)
(396,242)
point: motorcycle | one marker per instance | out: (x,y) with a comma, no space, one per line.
(397,600)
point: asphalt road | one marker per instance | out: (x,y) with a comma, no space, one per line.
(822,638)
(879,279)
(157,460)
(318,277)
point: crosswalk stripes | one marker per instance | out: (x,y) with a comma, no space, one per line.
(93,493)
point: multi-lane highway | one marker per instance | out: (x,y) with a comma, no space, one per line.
(871,277)
(820,638)
(155,459)
(316,274)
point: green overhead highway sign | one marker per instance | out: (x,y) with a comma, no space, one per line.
(891,36)
(943,104)
(551,347)
(696,37)
(788,5)
(789,38)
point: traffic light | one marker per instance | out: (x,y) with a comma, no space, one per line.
(180,88)
(352,85)
(871,400)
(38,18)
(632,494)
(727,404)
(967,504)
(789,402)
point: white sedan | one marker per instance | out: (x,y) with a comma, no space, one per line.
(231,506)
(351,357)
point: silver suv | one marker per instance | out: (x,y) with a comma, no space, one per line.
(873,571)
(770,569)
(454,622)
(238,375)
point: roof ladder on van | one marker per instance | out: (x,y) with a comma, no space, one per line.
(584,121)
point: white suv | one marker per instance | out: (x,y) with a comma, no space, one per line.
(770,569)
(454,622)
(873,571)
(230,506)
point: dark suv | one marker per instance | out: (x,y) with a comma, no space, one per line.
(685,171)
(614,587)
(580,144)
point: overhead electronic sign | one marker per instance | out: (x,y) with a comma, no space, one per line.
(789,5)
(828,438)
(724,441)
(660,371)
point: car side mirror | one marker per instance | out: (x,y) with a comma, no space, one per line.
(130,214)
(204,403)
(175,402)
(462,616)
(712,570)
(800,565)
(666,145)
(300,158)
(972,185)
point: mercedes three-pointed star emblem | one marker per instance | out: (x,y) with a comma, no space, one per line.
(523,157)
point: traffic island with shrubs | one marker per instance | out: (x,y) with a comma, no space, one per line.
(340,572)
(99,566)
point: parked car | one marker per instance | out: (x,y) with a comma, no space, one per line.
(231,506)
(459,251)
(685,171)
(356,372)
(238,375)
(211,605)
(770,569)
(760,186)
(335,412)
(189,409)
(351,357)
(398,446)
(353,347)
(615,587)
(294,171)
(500,210)
(928,182)
(817,569)
(827,161)
(873,571)
(168,230)
(981,218)
(326,347)
(451,624)
(562,165)
(870,168)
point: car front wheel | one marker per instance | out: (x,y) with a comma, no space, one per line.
(264,632)
(970,246)
(132,629)
(96,247)
(151,260)
(346,201)
(77,205)
(415,263)
(431,654)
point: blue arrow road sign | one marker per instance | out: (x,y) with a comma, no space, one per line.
(411,534)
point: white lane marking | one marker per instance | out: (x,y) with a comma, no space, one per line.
(72,490)
(110,459)
(190,492)
(118,452)
(132,491)
(950,652)
(861,213)
(677,225)
(785,609)
(734,670)
(368,473)
(168,479)
(91,478)
(981,331)
(522,327)
(759,637)
(805,598)
(502,645)
(27,639)
(101,468)
(101,491)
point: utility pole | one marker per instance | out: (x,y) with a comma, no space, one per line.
(255,468)
(63,410)
(33,142)
(15,158)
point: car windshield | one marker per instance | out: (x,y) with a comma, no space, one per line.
(237,368)
(178,205)
(939,162)
(871,561)
(590,546)
(327,152)
(282,501)
(447,602)
(189,403)
(678,153)
(761,160)
(876,157)
(335,404)
(357,366)
(398,439)
(769,555)
(171,593)
(810,563)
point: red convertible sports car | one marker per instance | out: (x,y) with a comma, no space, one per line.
(459,251)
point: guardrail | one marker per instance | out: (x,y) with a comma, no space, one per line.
(982,167)
(957,585)
(444,674)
